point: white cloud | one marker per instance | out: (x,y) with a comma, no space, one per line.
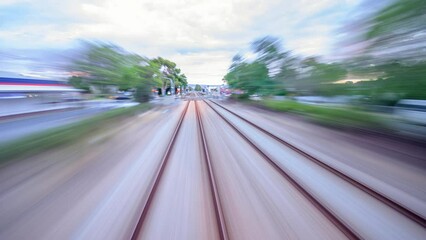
(201,36)
(198,66)
(10,2)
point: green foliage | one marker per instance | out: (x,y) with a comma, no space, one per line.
(198,88)
(143,93)
(394,55)
(79,82)
(389,50)
(106,65)
(149,78)
(407,81)
(324,72)
(169,72)
(241,97)
(250,77)
(328,115)
(236,60)
(277,72)
(129,78)
(402,15)
(103,64)
(268,49)
(397,81)
(317,75)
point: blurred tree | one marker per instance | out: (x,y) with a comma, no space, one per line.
(268,49)
(129,78)
(250,77)
(282,65)
(288,74)
(276,71)
(103,63)
(179,79)
(398,29)
(394,54)
(320,74)
(198,88)
(255,77)
(107,65)
(323,72)
(236,60)
(148,74)
(169,71)
(79,82)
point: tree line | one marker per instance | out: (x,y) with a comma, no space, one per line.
(102,65)
(275,71)
(393,59)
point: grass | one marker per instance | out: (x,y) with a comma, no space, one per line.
(328,115)
(39,142)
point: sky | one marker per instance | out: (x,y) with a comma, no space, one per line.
(200,36)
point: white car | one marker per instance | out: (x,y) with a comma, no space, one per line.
(412,116)
(411,111)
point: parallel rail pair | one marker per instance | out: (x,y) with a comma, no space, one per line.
(160,171)
(219,214)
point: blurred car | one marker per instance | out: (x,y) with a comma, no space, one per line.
(255,97)
(123,97)
(411,111)
(411,115)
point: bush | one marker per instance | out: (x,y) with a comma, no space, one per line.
(328,115)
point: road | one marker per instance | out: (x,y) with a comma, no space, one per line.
(13,129)
(199,169)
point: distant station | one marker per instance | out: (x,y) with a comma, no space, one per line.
(222,89)
(14,83)
(19,93)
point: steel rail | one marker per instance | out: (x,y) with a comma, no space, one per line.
(343,227)
(389,202)
(156,180)
(220,219)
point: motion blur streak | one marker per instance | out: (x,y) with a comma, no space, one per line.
(94,188)
(193,120)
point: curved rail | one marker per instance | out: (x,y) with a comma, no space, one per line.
(344,228)
(394,205)
(213,186)
(154,186)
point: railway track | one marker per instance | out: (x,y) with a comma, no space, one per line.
(220,221)
(213,186)
(370,191)
(342,226)
(202,171)
(219,214)
(154,185)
